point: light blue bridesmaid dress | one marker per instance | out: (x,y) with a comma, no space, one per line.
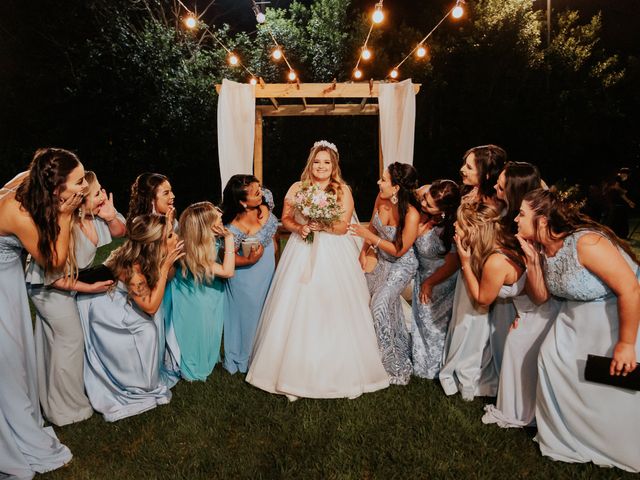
(125,353)
(430,320)
(386,283)
(580,421)
(25,446)
(195,310)
(245,294)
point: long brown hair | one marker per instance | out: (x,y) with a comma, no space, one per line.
(405,177)
(143,193)
(564,218)
(38,194)
(336,183)
(446,196)
(145,246)
(490,160)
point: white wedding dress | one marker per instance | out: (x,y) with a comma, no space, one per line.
(316,337)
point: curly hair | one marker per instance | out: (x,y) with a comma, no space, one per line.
(336,183)
(564,218)
(145,246)
(404,176)
(143,193)
(480,223)
(489,160)
(446,196)
(199,240)
(38,195)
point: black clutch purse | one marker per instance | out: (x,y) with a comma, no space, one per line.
(597,370)
(99,273)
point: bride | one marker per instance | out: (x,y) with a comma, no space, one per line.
(316,337)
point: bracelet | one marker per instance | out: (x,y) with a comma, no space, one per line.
(377,243)
(230,253)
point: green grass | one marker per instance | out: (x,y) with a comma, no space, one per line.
(225,428)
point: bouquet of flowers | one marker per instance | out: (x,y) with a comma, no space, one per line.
(317,205)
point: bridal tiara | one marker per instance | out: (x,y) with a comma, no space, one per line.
(324,143)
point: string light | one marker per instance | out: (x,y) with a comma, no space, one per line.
(292,75)
(457,11)
(421,52)
(253,81)
(233,60)
(394,73)
(366,53)
(277,53)
(190,22)
(357,74)
(261,17)
(378,14)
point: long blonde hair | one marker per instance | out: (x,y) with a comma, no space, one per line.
(480,224)
(145,246)
(199,240)
(336,183)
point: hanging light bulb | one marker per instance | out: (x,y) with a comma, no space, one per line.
(378,14)
(457,11)
(292,75)
(233,59)
(190,22)
(260,17)
(277,53)
(253,81)
(421,52)
(357,74)
(366,53)
(394,73)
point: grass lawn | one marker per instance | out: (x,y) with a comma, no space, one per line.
(225,428)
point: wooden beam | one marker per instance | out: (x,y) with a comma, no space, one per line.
(319,90)
(274,102)
(257,147)
(304,102)
(363,103)
(318,110)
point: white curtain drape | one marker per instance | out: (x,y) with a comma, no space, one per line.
(236,129)
(397,121)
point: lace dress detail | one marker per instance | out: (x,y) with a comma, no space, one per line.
(386,283)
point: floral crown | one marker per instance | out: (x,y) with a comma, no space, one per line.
(324,143)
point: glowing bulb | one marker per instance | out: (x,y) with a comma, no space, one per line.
(233,59)
(292,75)
(357,73)
(366,53)
(394,73)
(421,51)
(261,17)
(378,16)
(190,22)
(457,11)
(277,54)
(253,81)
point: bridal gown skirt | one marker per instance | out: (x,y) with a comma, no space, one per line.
(316,337)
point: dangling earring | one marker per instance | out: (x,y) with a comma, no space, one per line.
(244,205)
(442,215)
(394,198)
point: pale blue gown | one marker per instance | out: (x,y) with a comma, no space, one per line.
(58,334)
(386,283)
(196,312)
(580,421)
(128,369)
(246,293)
(25,446)
(430,320)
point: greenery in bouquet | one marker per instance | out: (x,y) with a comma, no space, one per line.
(317,205)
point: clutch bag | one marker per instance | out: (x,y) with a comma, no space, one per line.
(99,273)
(597,370)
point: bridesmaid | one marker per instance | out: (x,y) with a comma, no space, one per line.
(195,305)
(58,333)
(392,231)
(152,193)
(36,210)
(435,280)
(467,365)
(247,213)
(597,275)
(124,329)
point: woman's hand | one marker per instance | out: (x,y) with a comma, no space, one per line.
(624,359)
(97,287)
(426,289)
(359,230)
(171,216)
(172,257)
(304,231)
(255,253)
(107,210)
(316,226)
(71,204)
(463,253)
(222,231)
(528,248)
(362,258)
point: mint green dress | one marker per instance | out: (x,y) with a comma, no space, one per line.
(196,311)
